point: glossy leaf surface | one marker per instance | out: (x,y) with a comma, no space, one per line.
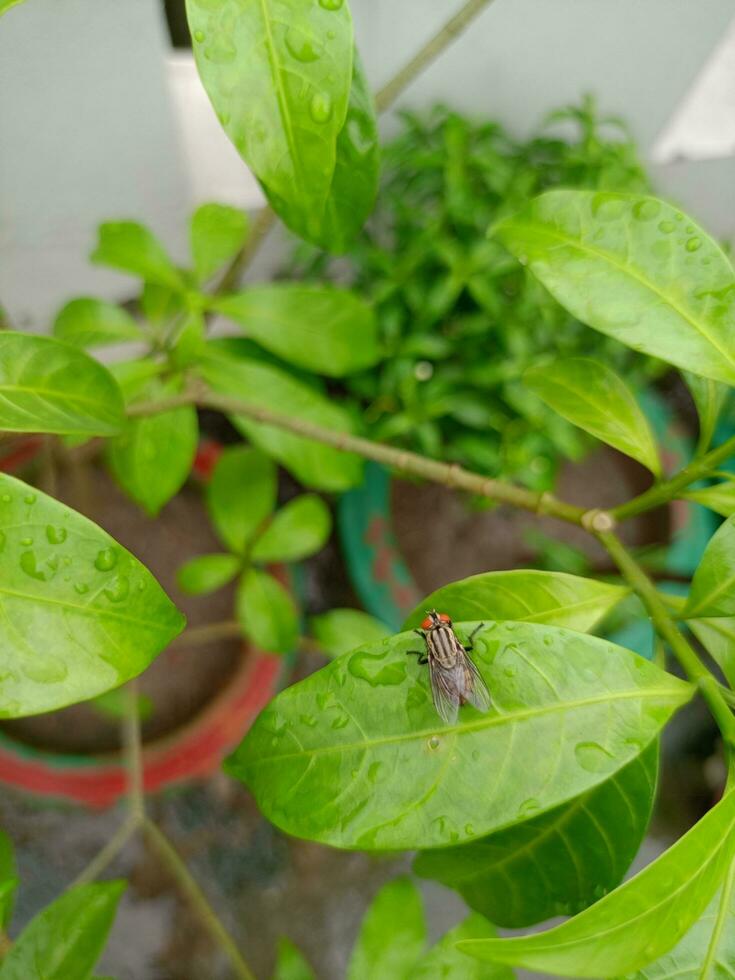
(266,612)
(637,922)
(132,248)
(341,630)
(5,5)
(446,962)
(49,386)
(216,234)
(713,585)
(78,613)
(530,596)
(591,395)
(717,636)
(635,268)
(720,497)
(298,530)
(264,386)
(278,74)
(558,863)
(241,495)
(392,936)
(207,573)
(709,397)
(291,964)
(89,322)
(320,328)
(356,755)
(65,939)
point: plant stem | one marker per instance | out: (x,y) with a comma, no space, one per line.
(165,850)
(133,754)
(667,490)
(196,635)
(384,99)
(667,629)
(450,475)
(109,852)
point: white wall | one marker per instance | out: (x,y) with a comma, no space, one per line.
(87,128)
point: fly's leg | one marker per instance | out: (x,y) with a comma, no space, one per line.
(470,639)
(423,658)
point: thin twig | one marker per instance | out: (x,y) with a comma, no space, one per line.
(166,852)
(197,635)
(263,223)
(134,754)
(101,861)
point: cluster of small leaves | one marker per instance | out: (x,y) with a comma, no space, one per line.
(459,318)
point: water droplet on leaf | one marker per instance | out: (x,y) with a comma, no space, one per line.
(528,808)
(320,108)
(331,4)
(593,757)
(646,210)
(105,560)
(434,742)
(30,498)
(666,226)
(119,589)
(55,535)
(81,587)
(302,47)
(693,244)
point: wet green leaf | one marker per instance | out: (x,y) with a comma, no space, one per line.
(189,341)
(266,612)
(154,455)
(131,248)
(720,497)
(392,935)
(717,636)
(65,939)
(88,322)
(298,530)
(525,596)
(217,234)
(640,920)
(356,756)
(709,397)
(291,964)
(560,862)
(5,5)
(444,960)
(207,573)
(320,328)
(264,386)
(713,585)
(78,613)
(341,630)
(278,74)
(707,951)
(591,395)
(241,495)
(49,386)
(635,268)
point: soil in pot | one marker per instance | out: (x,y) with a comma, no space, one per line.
(183,679)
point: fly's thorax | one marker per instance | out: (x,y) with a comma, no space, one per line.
(443,645)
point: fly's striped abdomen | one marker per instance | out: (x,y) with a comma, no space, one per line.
(442,646)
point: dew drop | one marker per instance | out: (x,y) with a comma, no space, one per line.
(105,560)
(434,743)
(592,756)
(666,226)
(55,535)
(81,587)
(528,808)
(308,720)
(646,210)
(29,564)
(199,36)
(475,755)
(26,542)
(302,47)
(375,771)
(693,244)
(341,721)
(119,589)
(331,35)
(606,207)
(331,4)
(46,671)
(509,671)
(469,830)
(548,640)
(370,667)
(6,498)
(30,498)
(320,108)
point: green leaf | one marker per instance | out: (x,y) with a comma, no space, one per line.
(88,322)
(65,939)
(8,879)
(241,495)
(160,304)
(5,5)
(392,935)
(635,268)
(320,328)
(713,585)
(592,396)
(291,964)
(709,397)
(131,248)
(278,74)
(297,531)
(560,862)
(48,386)
(532,596)
(707,951)
(207,573)
(217,234)
(267,387)
(376,768)
(341,630)
(154,455)
(79,614)
(637,922)
(717,636)
(356,173)
(189,341)
(720,497)
(266,612)
(445,960)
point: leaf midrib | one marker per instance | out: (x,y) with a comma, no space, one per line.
(55,393)
(722,913)
(83,609)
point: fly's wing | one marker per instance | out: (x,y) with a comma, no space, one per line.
(445,690)
(473,687)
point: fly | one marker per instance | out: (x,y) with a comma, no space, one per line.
(455,680)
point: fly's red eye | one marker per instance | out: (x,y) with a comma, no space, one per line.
(444,618)
(427,624)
